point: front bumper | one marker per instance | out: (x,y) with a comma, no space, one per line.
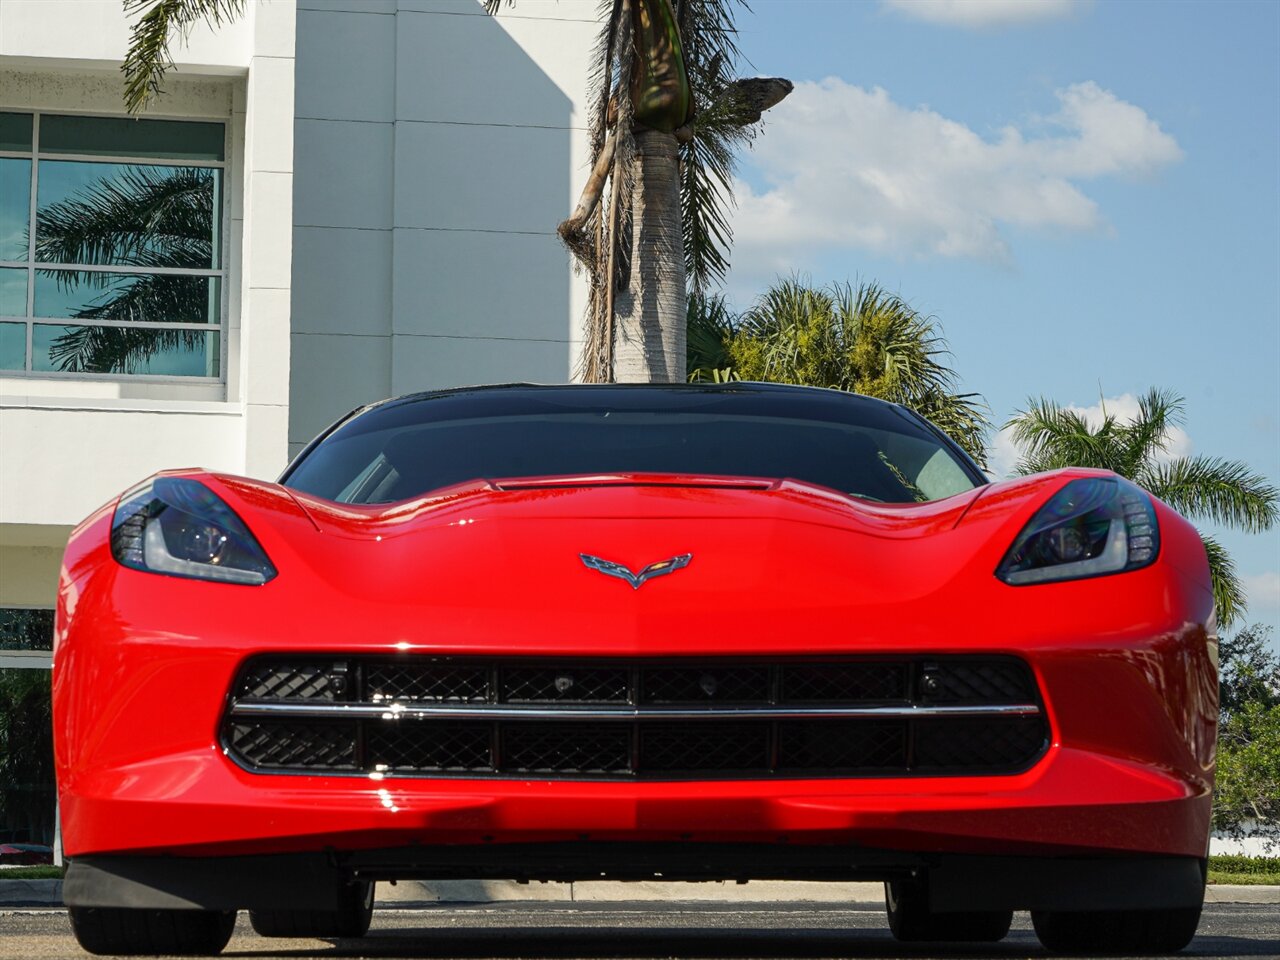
(1128,771)
(1071,803)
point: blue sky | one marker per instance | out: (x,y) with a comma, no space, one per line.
(1086,196)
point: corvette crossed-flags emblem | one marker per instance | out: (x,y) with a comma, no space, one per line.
(661,568)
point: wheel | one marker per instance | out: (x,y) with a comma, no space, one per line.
(351,919)
(124,932)
(910,919)
(1134,932)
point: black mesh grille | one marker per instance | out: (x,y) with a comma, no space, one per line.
(843,745)
(430,681)
(424,747)
(556,684)
(566,748)
(980,681)
(710,683)
(725,747)
(977,743)
(296,746)
(636,742)
(294,681)
(845,682)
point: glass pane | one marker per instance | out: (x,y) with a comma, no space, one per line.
(13,292)
(15,131)
(26,767)
(13,356)
(134,297)
(15,207)
(126,137)
(22,629)
(145,351)
(127,213)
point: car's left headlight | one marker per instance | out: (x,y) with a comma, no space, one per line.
(1091,527)
(179,527)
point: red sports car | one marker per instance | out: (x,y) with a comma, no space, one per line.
(697,632)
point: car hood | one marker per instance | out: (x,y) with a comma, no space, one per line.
(493,564)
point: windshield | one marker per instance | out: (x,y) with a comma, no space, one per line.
(396,452)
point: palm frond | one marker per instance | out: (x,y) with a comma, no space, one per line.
(117,349)
(1223,491)
(148,58)
(1148,434)
(1051,437)
(709,329)
(708,159)
(1229,598)
(145,216)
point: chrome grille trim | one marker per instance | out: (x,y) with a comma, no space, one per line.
(411,711)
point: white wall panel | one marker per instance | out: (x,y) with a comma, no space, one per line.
(97,30)
(386,7)
(29,574)
(269,140)
(342,175)
(266,447)
(481,177)
(478,165)
(329,39)
(59,464)
(267,351)
(470,69)
(345,283)
(470,284)
(268,239)
(433,363)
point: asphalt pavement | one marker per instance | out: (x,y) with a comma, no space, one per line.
(627,930)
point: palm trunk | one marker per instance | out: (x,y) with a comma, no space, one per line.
(649,321)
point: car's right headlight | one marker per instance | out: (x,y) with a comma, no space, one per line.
(1091,527)
(179,527)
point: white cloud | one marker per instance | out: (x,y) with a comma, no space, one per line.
(983,13)
(1263,592)
(1003,454)
(848,168)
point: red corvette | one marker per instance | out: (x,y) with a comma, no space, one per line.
(697,632)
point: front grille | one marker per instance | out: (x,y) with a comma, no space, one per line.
(616,719)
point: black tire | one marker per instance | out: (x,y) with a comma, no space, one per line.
(115,931)
(350,920)
(911,920)
(1131,932)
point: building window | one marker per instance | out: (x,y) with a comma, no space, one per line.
(27,794)
(111,246)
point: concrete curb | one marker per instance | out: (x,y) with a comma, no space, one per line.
(48,893)
(1241,893)
(607,891)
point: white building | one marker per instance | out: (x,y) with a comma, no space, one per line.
(349,199)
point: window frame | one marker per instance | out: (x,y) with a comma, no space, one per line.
(223,273)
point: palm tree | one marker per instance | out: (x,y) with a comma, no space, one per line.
(148,57)
(142,217)
(652,218)
(1206,488)
(856,338)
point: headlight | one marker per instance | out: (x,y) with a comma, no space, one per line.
(181,528)
(1091,527)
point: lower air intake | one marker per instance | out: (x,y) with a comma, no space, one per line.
(721,719)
